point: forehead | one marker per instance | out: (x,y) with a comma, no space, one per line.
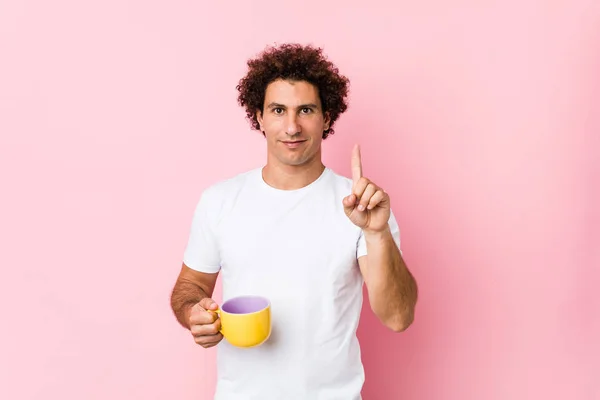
(291,93)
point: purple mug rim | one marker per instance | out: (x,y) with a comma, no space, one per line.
(245,297)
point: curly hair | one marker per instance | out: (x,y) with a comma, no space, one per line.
(297,63)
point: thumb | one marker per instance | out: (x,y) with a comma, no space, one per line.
(208,304)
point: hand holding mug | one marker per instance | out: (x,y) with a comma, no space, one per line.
(245,321)
(205,325)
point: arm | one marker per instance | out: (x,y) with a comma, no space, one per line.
(391,287)
(190,288)
(200,266)
(191,300)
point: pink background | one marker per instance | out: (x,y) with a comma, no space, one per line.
(480,118)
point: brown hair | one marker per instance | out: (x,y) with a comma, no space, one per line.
(297,63)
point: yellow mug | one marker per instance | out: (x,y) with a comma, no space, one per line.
(246,320)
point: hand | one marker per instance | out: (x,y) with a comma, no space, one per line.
(205,324)
(368,206)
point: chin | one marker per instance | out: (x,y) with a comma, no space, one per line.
(295,162)
(295,158)
(292,161)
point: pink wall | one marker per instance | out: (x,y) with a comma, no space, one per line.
(483,115)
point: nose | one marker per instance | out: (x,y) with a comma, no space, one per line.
(292,127)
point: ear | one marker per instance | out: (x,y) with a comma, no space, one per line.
(326,121)
(259,118)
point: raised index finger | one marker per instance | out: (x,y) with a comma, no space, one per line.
(356,164)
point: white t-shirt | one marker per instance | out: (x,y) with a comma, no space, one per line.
(299,249)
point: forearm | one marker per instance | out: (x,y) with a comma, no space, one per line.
(392,288)
(184,296)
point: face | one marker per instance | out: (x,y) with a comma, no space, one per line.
(293,122)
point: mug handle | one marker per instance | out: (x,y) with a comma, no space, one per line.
(218,312)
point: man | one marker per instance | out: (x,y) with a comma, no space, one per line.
(301,235)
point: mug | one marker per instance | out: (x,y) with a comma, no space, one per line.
(245,320)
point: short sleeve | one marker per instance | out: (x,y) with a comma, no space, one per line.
(361,249)
(202,251)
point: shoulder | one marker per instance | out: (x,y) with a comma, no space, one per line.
(340,179)
(231,184)
(217,193)
(339,182)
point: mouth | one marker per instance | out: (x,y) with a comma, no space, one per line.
(292,144)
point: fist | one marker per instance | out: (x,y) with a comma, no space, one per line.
(205,324)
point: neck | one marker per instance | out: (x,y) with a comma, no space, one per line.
(291,177)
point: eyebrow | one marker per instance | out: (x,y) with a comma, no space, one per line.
(277,105)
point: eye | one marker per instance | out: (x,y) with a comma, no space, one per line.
(277,110)
(306,110)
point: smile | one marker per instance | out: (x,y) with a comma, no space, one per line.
(293,144)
